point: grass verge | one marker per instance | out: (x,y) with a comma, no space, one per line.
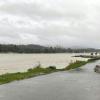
(9,77)
(81,63)
(75,65)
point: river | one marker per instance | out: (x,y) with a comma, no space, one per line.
(21,62)
(71,85)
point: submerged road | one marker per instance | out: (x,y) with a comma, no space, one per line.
(72,85)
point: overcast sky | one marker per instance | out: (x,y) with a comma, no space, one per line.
(70,23)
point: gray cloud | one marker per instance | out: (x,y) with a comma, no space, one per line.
(50,22)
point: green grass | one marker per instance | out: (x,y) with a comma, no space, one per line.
(75,65)
(80,63)
(33,72)
(9,77)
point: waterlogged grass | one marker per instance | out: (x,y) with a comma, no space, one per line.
(94,59)
(75,65)
(33,72)
(81,63)
(9,77)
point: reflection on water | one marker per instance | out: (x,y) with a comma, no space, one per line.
(81,84)
(77,70)
(21,62)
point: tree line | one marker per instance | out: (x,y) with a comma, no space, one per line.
(7,48)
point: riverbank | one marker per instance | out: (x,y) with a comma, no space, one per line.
(9,77)
(37,71)
(87,56)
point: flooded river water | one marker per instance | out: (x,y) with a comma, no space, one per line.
(21,62)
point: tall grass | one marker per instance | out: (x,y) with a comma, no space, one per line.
(75,65)
(9,77)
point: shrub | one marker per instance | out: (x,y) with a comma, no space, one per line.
(29,70)
(52,67)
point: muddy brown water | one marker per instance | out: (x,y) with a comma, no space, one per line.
(21,62)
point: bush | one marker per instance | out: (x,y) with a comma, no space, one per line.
(52,67)
(29,70)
